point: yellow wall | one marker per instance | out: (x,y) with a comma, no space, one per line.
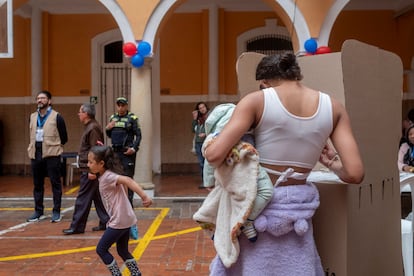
(138,13)
(405,34)
(184,54)
(67,41)
(232,25)
(184,50)
(373,27)
(15,72)
(314,14)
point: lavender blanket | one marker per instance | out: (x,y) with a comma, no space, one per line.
(285,246)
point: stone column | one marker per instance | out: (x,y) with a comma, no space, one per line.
(213,68)
(141,106)
(36,50)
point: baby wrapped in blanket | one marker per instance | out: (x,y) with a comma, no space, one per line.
(242,190)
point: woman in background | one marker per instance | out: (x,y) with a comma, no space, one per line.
(200,114)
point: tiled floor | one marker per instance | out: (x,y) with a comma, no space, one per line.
(170,243)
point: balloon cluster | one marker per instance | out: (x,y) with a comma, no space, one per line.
(137,53)
(311,47)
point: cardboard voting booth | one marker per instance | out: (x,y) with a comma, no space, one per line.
(357,227)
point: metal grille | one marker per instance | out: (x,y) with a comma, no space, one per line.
(269,44)
(115,82)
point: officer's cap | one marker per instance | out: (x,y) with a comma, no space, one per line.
(122,100)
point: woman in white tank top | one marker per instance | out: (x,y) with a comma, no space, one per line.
(292,123)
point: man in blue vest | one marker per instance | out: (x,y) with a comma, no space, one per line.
(125,133)
(47,136)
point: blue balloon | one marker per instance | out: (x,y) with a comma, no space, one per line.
(137,60)
(311,45)
(144,48)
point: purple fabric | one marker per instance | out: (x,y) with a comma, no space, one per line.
(286,247)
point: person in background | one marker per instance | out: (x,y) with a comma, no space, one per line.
(88,190)
(125,133)
(406,152)
(200,114)
(406,123)
(47,130)
(292,124)
(112,186)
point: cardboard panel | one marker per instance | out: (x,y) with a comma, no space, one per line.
(324,73)
(246,72)
(373,95)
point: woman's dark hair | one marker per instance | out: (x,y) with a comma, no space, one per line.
(199,113)
(106,154)
(280,66)
(196,107)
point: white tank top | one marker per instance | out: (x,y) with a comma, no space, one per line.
(285,139)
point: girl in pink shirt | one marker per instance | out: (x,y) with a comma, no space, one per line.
(113,188)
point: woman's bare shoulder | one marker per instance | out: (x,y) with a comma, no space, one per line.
(253,97)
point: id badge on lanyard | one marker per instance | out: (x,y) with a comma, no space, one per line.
(39,134)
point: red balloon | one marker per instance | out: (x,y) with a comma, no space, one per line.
(323,50)
(130,49)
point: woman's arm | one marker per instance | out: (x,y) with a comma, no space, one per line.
(244,116)
(134,186)
(348,166)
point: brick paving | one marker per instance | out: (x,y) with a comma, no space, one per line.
(170,243)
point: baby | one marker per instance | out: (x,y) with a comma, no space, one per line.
(215,122)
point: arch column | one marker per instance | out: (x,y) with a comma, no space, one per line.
(141,105)
(213,68)
(36,50)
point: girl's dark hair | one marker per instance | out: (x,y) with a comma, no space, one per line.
(281,66)
(106,154)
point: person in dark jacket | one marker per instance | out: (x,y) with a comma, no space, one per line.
(89,185)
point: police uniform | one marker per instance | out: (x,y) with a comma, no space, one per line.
(125,134)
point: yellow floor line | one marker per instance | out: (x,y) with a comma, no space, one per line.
(138,251)
(72,191)
(182,232)
(143,243)
(19,209)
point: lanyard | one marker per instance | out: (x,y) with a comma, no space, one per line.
(42,120)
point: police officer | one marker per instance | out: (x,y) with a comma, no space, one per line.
(125,133)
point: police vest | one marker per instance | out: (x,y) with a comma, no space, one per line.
(122,129)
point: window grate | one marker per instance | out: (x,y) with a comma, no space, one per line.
(269,44)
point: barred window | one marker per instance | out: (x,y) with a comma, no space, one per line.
(269,44)
(113,52)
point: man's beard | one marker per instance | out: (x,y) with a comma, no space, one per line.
(41,106)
